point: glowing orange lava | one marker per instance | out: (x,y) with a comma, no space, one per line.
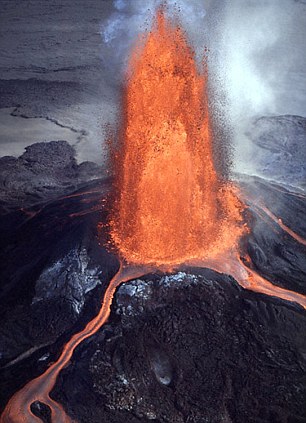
(18,409)
(285,228)
(172,206)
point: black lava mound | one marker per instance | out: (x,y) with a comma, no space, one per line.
(45,171)
(190,347)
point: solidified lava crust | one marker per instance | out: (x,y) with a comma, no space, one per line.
(190,346)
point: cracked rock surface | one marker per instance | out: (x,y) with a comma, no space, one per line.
(53,275)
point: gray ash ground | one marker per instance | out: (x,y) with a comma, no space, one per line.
(54,75)
(191,346)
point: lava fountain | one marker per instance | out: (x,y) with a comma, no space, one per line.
(172,206)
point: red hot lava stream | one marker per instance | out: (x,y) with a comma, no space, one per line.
(172,207)
(284,227)
(18,408)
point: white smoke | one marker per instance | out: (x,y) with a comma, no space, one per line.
(261,60)
(131,18)
(256,51)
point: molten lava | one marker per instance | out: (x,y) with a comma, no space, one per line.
(171,206)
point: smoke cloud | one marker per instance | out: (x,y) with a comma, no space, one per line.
(256,52)
(131,18)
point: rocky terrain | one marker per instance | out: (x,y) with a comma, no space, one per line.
(45,171)
(51,261)
(189,346)
(279,151)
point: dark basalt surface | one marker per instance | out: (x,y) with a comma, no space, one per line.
(53,274)
(191,346)
(275,254)
(44,172)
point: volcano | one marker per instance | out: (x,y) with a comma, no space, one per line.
(167,293)
(187,343)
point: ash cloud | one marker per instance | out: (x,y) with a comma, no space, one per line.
(262,43)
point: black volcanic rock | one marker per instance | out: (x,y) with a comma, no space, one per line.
(43,172)
(53,275)
(276,255)
(54,156)
(281,148)
(75,276)
(190,347)
(42,411)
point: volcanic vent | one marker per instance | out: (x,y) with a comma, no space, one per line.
(172,206)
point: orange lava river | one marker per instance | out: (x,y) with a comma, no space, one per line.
(171,208)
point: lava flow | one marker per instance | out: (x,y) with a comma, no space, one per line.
(18,409)
(284,227)
(172,206)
